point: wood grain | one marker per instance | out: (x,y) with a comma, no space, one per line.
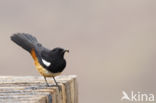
(32,89)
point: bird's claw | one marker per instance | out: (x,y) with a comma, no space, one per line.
(59,88)
(56,86)
(47,85)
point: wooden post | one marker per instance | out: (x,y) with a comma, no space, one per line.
(32,89)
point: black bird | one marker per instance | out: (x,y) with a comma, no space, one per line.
(49,63)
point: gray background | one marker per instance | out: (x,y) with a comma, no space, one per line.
(112,42)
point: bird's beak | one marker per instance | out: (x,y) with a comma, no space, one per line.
(66,51)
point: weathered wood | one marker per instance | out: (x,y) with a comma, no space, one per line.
(32,89)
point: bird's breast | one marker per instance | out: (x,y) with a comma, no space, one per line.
(45,72)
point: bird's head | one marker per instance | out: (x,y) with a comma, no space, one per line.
(58,52)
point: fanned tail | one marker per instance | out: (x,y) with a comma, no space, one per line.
(26,41)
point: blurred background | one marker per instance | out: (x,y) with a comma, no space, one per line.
(112,43)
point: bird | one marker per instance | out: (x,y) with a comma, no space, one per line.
(48,62)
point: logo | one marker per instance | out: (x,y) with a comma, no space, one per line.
(137,97)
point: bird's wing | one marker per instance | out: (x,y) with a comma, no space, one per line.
(42,55)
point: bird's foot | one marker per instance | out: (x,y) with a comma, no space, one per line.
(47,85)
(59,87)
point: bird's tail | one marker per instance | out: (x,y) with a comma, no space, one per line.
(26,41)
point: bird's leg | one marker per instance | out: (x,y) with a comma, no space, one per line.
(57,84)
(46,81)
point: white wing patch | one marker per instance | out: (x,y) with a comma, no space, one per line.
(46,63)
